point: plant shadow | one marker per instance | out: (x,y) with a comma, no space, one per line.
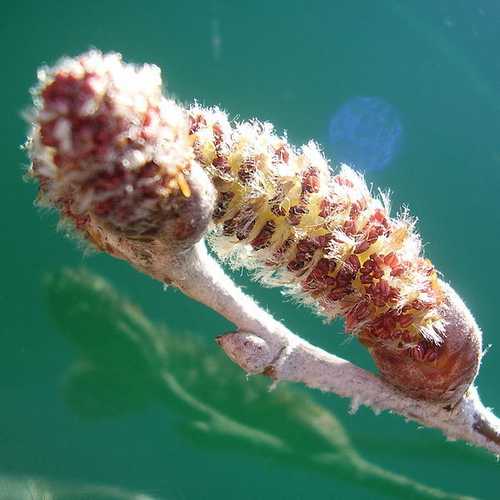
(127,363)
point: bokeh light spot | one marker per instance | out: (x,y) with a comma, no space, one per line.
(366,133)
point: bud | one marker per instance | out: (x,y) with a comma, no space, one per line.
(437,372)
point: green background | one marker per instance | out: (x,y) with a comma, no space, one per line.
(294,64)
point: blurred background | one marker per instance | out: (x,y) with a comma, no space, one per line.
(407,92)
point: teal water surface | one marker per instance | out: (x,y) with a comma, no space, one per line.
(111,386)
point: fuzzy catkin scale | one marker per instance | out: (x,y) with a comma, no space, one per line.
(324,237)
(113,155)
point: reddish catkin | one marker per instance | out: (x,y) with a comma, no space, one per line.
(107,147)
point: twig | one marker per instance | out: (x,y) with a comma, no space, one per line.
(263,345)
(273,350)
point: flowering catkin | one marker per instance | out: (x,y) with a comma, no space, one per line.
(107,148)
(106,144)
(324,236)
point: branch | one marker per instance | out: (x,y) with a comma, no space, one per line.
(273,350)
(144,179)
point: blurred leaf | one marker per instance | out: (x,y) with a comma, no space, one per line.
(28,488)
(127,363)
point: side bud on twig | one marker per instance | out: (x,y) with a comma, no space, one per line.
(247,350)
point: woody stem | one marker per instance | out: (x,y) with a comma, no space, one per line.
(264,345)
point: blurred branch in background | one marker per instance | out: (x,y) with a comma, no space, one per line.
(29,488)
(126,363)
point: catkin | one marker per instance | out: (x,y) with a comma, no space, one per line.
(282,213)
